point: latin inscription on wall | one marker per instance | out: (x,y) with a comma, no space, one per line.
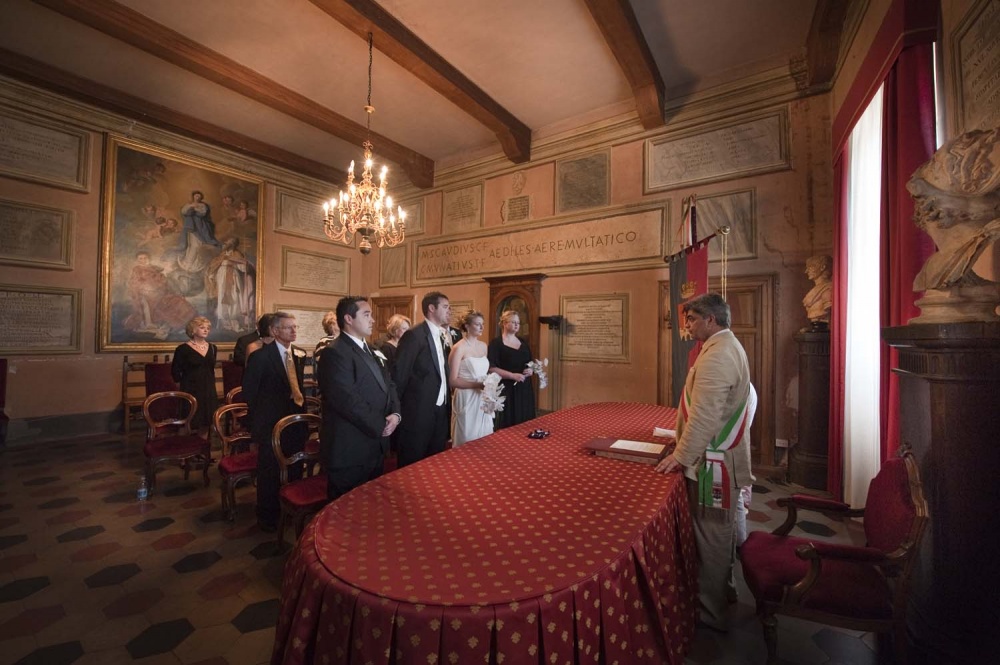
(977,63)
(43,153)
(39,321)
(314,273)
(561,247)
(596,328)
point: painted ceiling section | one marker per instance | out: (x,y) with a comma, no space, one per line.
(546,62)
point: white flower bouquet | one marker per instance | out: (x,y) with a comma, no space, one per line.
(492,399)
(538,367)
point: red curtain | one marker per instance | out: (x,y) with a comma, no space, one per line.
(838,329)
(907,142)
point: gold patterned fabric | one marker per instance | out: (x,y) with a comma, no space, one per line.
(507,550)
(293,379)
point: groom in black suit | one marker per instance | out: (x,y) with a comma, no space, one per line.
(360,406)
(421,374)
(271,394)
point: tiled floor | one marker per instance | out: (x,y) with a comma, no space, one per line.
(90,576)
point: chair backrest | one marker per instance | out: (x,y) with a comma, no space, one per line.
(229,425)
(309,456)
(168,410)
(895,510)
(235,396)
(313,405)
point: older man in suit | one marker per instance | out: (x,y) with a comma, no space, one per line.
(360,406)
(421,372)
(713,448)
(272,386)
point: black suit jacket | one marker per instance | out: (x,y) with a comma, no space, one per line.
(358,394)
(267,391)
(240,350)
(418,378)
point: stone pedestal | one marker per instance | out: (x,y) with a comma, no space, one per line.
(807,460)
(949,406)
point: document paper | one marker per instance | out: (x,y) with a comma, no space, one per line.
(638,446)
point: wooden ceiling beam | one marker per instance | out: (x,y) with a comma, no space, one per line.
(617,22)
(34,72)
(131,27)
(396,41)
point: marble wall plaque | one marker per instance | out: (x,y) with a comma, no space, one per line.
(738,211)
(757,145)
(45,152)
(463,210)
(976,47)
(596,328)
(35,235)
(310,323)
(300,215)
(414,217)
(459,308)
(39,320)
(312,272)
(632,239)
(583,182)
(392,266)
(516,209)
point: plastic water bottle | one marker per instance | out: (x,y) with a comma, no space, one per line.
(143,492)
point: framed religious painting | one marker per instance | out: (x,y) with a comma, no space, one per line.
(180,239)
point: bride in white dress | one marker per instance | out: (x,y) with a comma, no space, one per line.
(467,367)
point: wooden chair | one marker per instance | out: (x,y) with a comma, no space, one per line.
(859,588)
(138,384)
(232,376)
(238,463)
(235,396)
(168,435)
(301,498)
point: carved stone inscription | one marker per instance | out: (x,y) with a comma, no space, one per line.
(566,247)
(583,182)
(596,328)
(35,235)
(978,64)
(310,323)
(754,146)
(42,321)
(516,209)
(300,216)
(463,210)
(42,153)
(314,273)
(392,266)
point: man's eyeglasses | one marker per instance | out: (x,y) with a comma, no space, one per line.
(288,327)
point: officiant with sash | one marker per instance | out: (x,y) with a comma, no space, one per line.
(713,448)
(360,405)
(421,376)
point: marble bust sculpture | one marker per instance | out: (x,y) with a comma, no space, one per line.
(957,202)
(817,303)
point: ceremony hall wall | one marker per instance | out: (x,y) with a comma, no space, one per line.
(585,181)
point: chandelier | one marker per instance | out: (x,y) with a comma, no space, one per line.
(365,209)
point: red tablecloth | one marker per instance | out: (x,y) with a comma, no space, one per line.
(507,550)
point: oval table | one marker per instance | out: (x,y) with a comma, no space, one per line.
(506,550)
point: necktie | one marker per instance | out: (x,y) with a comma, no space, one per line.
(293,379)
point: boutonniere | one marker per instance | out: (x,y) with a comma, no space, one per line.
(378,356)
(299,353)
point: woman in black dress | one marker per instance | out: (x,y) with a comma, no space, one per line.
(194,369)
(397,325)
(509,356)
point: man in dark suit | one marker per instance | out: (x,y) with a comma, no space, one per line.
(240,350)
(360,406)
(272,386)
(421,375)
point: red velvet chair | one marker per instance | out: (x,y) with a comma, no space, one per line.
(302,498)
(232,376)
(168,435)
(859,588)
(238,463)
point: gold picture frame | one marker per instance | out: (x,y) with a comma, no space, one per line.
(180,237)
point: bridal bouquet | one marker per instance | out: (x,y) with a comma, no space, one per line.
(492,399)
(538,367)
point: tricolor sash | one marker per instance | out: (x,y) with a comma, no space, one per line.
(714,488)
